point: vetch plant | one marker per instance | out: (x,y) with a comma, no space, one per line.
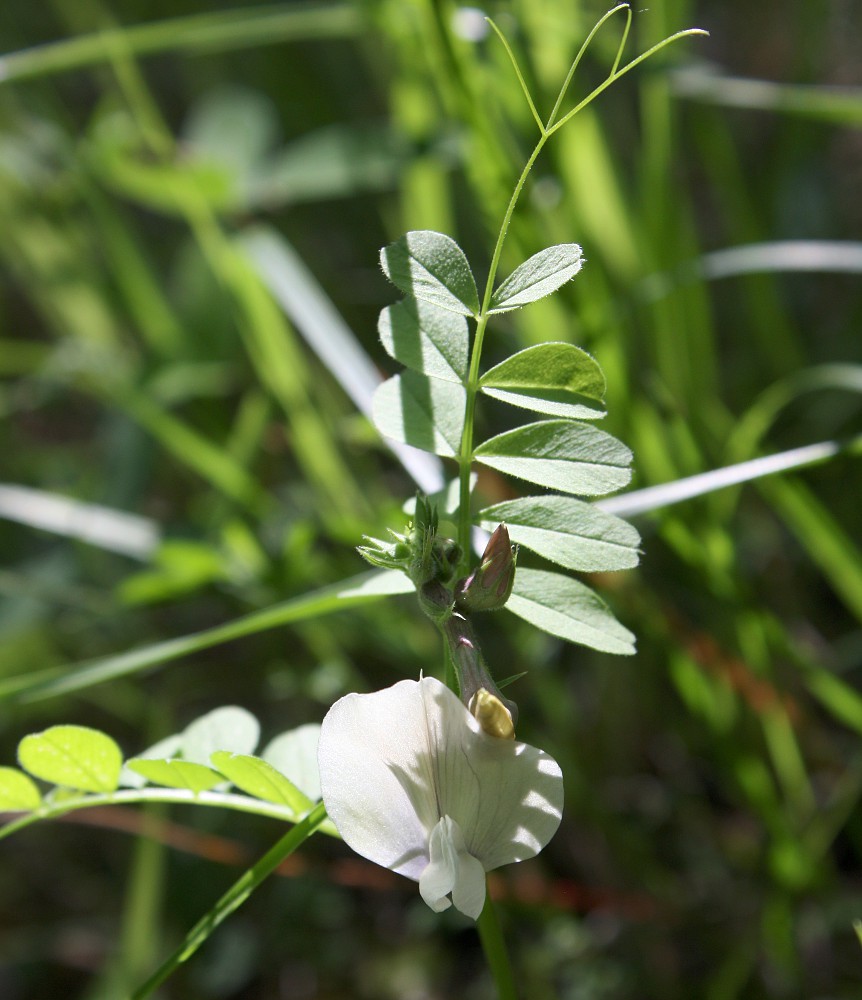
(425,777)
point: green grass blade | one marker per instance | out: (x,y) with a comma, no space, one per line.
(837,105)
(109,529)
(233,899)
(655,497)
(316,318)
(212,32)
(357,590)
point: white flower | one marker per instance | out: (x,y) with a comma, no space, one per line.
(413,783)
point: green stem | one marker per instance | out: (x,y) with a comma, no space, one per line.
(465,454)
(233,899)
(222,800)
(491,936)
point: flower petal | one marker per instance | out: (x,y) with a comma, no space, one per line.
(506,796)
(439,878)
(376,778)
(452,869)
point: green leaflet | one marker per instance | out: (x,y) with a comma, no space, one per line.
(559,379)
(561,455)
(427,413)
(258,778)
(431,266)
(73,757)
(426,338)
(294,753)
(569,532)
(227,728)
(170,746)
(569,610)
(537,277)
(176,773)
(17,791)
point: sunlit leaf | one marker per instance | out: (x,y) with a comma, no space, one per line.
(431,266)
(165,748)
(228,728)
(74,756)
(562,455)
(559,379)
(537,277)
(427,413)
(176,773)
(294,753)
(426,338)
(258,778)
(17,791)
(570,532)
(569,610)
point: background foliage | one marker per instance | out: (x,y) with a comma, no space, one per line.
(187,209)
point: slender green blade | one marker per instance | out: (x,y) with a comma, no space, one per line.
(567,609)
(561,455)
(541,275)
(558,379)
(569,532)
(427,413)
(209,32)
(349,593)
(431,266)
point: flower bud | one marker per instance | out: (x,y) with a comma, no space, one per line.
(488,587)
(492,715)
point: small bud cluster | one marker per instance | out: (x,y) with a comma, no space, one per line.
(431,562)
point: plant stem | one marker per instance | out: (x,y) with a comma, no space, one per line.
(465,453)
(491,936)
(233,899)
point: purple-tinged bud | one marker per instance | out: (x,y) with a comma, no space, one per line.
(488,587)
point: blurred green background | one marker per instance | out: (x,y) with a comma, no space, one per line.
(163,169)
